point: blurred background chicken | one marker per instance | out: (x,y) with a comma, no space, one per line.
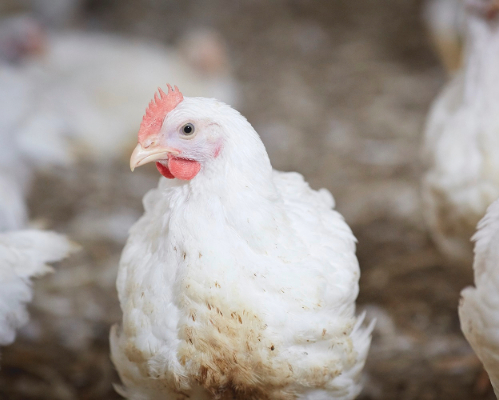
(71,96)
(462,140)
(20,39)
(86,88)
(94,83)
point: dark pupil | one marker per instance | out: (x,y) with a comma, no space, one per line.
(187,129)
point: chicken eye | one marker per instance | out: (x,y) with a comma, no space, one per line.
(187,130)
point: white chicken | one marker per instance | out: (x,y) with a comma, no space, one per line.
(90,87)
(479,307)
(239,281)
(21,38)
(462,140)
(19,156)
(71,95)
(23,256)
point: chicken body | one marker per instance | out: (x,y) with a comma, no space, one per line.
(239,283)
(479,307)
(24,255)
(461,144)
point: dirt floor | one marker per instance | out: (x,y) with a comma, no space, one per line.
(339,91)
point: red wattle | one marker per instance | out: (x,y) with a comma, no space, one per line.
(163,170)
(182,168)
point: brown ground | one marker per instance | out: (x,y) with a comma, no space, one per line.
(339,91)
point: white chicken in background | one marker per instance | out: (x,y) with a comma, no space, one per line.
(24,255)
(445,22)
(21,38)
(93,85)
(239,281)
(479,307)
(461,141)
(72,96)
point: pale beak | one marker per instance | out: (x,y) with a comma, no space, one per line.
(141,156)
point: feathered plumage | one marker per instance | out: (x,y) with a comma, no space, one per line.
(479,307)
(24,255)
(462,142)
(239,282)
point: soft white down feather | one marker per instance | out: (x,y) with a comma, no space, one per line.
(461,144)
(479,306)
(24,255)
(239,283)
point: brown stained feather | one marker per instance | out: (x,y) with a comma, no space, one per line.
(229,356)
(226,351)
(219,356)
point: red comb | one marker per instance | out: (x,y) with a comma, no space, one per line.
(157,111)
